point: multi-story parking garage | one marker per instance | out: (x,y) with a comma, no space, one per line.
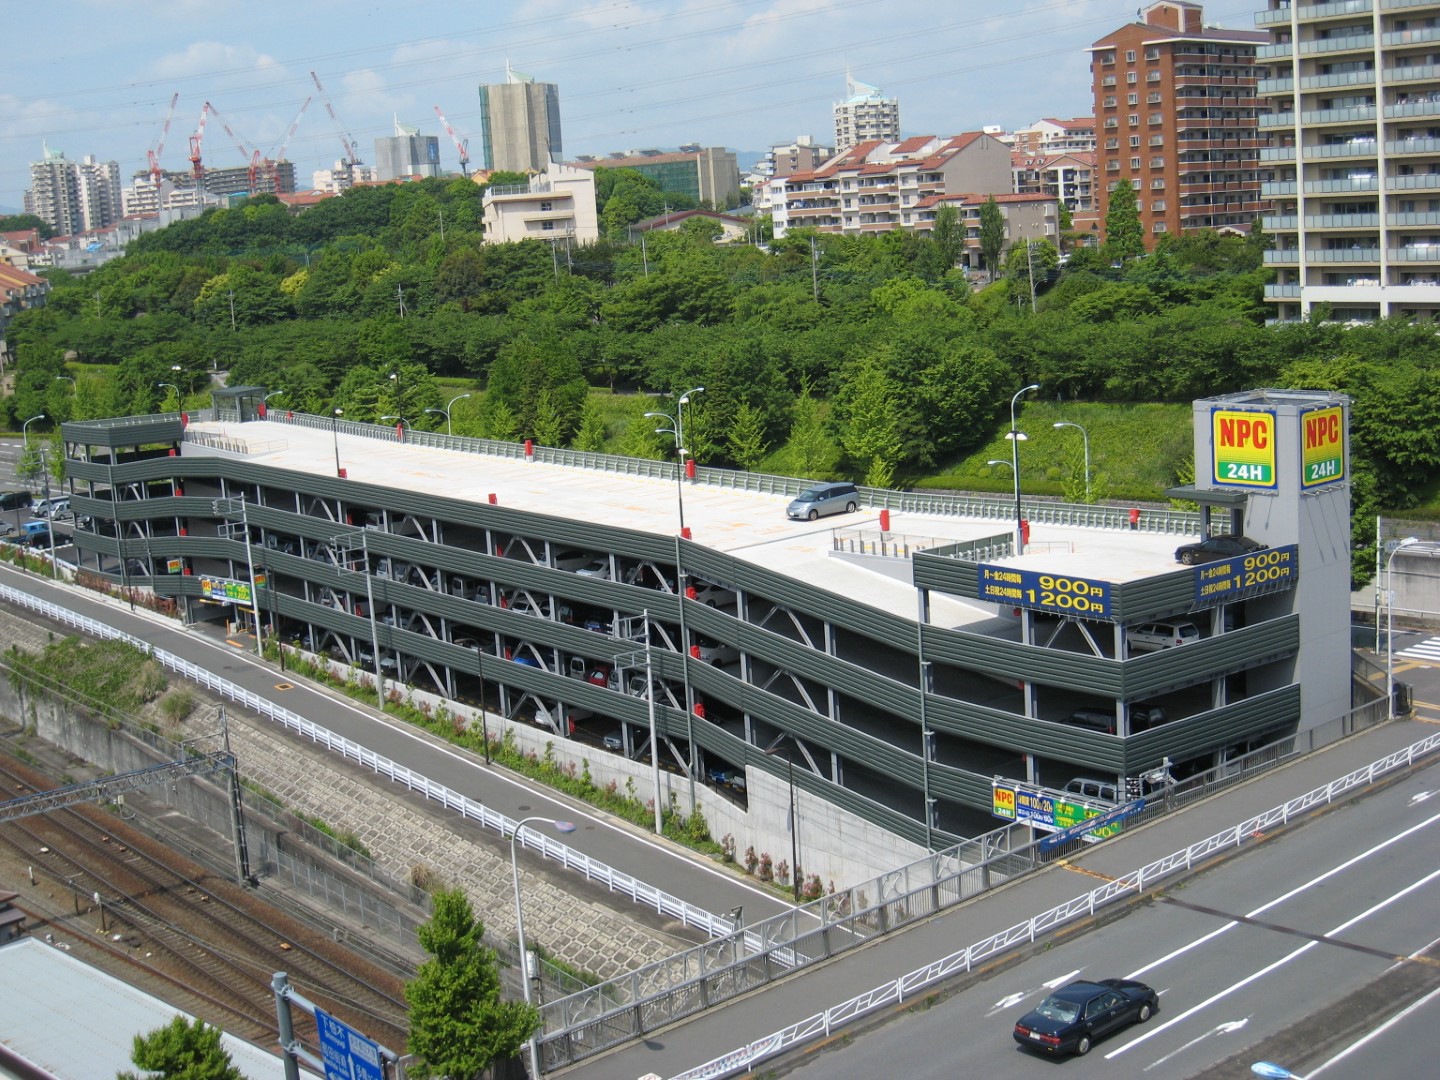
(896,676)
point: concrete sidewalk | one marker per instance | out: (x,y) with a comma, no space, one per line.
(719,1031)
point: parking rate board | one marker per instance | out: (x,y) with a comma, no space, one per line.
(1085,598)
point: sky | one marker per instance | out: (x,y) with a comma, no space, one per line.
(96,77)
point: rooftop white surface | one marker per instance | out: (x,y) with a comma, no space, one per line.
(744,524)
(78,1023)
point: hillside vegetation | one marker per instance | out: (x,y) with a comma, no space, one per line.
(827,356)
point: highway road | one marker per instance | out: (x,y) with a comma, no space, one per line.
(1318,939)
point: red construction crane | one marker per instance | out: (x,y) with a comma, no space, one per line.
(352,153)
(197,170)
(153,154)
(462,145)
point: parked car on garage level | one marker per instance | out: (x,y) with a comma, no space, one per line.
(824,499)
(1149,637)
(1223,546)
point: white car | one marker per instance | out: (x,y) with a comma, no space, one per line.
(1151,637)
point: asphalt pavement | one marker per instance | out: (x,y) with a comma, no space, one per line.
(669,1052)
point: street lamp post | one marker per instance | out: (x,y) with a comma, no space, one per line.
(25,428)
(1016,436)
(794,830)
(273,393)
(674,429)
(562,827)
(445,412)
(335,436)
(1396,547)
(1086,436)
(67,378)
(680,411)
(172,386)
(228,508)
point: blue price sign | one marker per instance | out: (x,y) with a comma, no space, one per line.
(1081,597)
(348,1055)
(1245,575)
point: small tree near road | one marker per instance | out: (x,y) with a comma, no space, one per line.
(992,235)
(459,1027)
(182,1050)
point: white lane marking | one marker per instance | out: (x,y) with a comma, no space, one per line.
(1364,1039)
(1420,797)
(1285,896)
(1392,898)
(1219,1029)
(1009,1001)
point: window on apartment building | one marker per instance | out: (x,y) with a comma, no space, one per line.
(1110,101)
(1108,80)
(1158,206)
(1157,163)
(1133,119)
(1107,58)
(1112,166)
(546,207)
(1132,77)
(1157,140)
(1111,122)
(1153,76)
(1156,118)
(1134,163)
(547,226)
(1159,226)
(1152,52)
(1132,99)
(1158,184)
(1152,98)
(1112,144)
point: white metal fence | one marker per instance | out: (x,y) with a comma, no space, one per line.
(615,881)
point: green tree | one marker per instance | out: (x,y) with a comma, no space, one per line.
(181,1050)
(869,410)
(992,234)
(590,438)
(1124,238)
(459,1026)
(746,438)
(946,246)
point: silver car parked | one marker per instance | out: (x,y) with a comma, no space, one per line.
(822,499)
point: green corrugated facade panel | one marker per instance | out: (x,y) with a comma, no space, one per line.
(898,700)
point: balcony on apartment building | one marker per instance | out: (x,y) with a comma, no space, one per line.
(1411,73)
(1358,146)
(1412,144)
(1327,222)
(1421,35)
(1330,46)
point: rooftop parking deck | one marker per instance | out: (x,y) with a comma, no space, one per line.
(747,525)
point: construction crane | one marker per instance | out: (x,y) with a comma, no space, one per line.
(197,170)
(281,147)
(253,172)
(352,153)
(461,145)
(153,154)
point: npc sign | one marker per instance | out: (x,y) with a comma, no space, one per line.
(1243,445)
(1323,455)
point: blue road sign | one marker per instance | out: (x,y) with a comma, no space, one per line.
(348,1055)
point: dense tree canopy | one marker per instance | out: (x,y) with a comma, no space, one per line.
(852,355)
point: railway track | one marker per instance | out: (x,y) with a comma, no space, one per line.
(212,946)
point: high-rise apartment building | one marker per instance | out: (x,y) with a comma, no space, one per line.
(1355,158)
(73,197)
(864,116)
(407,153)
(519,124)
(1176,114)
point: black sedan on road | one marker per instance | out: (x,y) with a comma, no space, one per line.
(1076,1015)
